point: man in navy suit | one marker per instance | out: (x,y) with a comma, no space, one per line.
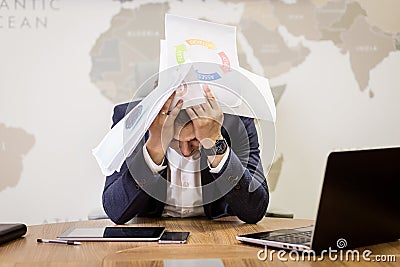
(193,162)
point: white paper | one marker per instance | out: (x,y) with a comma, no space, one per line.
(194,53)
(191,40)
(211,49)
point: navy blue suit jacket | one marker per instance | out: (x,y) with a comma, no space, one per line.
(247,196)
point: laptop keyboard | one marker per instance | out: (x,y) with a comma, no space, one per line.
(293,238)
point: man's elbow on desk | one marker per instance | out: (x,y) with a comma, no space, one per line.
(115,213)
(254,211)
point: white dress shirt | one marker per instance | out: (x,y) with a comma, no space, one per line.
(184,191)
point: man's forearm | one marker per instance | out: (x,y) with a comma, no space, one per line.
(121,194)
(125,194)
(216,164)
(215,160)
(248,194)
(155,149)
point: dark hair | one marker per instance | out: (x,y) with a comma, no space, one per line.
(182,118)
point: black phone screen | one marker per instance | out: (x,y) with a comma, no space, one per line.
(174,236)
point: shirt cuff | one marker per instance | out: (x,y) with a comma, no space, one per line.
(150,163)
(221,163)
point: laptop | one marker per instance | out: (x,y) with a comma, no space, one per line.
(359,205)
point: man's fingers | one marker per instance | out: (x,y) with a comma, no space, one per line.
(191,113)
(175,111)
(167,104)
(206,107)
(199,110)
(210,96)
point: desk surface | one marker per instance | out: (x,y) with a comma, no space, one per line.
(208,239)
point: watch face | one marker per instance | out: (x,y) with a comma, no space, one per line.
(220,146)
(218,149)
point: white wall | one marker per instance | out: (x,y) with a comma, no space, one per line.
(46,91)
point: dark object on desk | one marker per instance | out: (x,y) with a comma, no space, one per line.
(280,214)
(10,232)
(174,238)
(359,205)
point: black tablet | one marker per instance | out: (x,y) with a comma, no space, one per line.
(122,233)
(10,232)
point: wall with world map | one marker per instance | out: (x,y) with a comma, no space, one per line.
(332,64)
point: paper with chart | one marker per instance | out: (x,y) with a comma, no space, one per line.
(211,49)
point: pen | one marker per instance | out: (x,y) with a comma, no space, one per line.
(56,241)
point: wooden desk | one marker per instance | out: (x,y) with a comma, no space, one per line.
(208,239)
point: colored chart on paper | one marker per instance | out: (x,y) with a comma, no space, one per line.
(181,57)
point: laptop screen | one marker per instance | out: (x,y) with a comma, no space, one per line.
(360,200)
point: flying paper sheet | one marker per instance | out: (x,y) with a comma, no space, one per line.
(194,53)
(191,40)
(211,49)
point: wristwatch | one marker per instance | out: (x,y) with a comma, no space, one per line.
(218,148)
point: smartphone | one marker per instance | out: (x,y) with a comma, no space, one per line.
(173,238)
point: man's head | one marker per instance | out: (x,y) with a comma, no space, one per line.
(184,141)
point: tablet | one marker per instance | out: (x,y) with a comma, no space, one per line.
(128,233)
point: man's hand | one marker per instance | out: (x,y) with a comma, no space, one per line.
(162,130)
(207,120)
